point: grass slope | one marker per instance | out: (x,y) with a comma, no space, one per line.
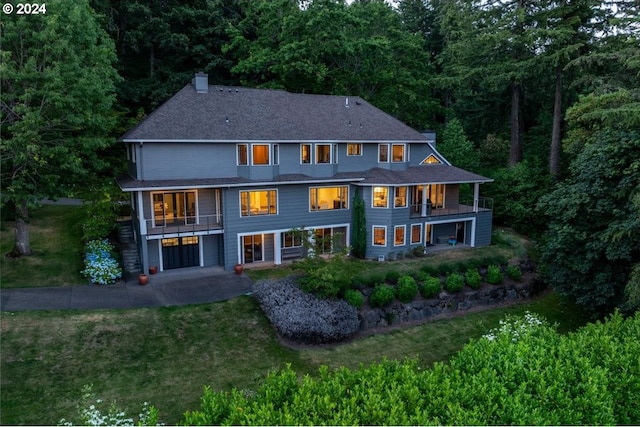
(56,242)
(166,355)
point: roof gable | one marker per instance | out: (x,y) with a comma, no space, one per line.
(243,114)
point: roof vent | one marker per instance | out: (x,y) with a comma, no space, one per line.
(201,82)
(346,102)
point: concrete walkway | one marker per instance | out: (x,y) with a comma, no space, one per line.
(195,285)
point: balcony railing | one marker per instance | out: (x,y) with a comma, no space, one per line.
(464,207)
(181,225)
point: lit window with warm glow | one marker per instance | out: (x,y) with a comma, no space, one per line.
(243,155)
(323,153)
(398,153)
(258,202)
(260,154)
(379,235)
(305,153)
(400,200)
(380,197)
(399,234)
(328,198)
(416,233)
(430,160)
(383,153)
(354,149)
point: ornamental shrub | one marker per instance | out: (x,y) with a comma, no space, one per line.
(99,264)
(430,287)
(494,274)
(473,278)
(354,297)
(454,282)
(382,296)
(514,272)
(392,276)
(303,317)
(407,289)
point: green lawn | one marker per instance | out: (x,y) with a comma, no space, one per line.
(166,355)
(56,242)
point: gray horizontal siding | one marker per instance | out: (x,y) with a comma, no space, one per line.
(483,228)
(185,161)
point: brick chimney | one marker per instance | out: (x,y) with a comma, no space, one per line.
(201,82)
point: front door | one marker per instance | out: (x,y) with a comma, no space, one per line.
(252,248)
(180,252)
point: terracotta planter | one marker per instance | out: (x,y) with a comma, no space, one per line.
(238,268)
(143,279)
(153,270)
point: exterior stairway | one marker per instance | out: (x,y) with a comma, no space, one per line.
(128,248)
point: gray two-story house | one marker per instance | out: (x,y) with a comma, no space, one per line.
(220,176)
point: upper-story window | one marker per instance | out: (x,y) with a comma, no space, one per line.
(276,154)
(400,199)
(383,153)
(380,197)
(398,153)
(305,153)
(243,155)
(354,149)
(260,154)
(323,153)
(328,198)
(261,202)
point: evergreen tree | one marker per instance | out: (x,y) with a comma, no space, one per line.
(358,227)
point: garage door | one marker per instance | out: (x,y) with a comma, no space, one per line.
(179,252)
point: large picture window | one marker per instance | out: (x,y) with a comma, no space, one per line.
(380,197)
(263,202)
(260,153)
(328,198)
(174,208)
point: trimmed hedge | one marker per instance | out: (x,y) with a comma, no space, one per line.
(523,373)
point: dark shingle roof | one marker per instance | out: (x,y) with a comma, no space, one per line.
(232,114)
(434,174)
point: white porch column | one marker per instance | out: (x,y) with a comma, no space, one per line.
(140,212)
(473,233)
(277,248)
(476,196)
(423,211)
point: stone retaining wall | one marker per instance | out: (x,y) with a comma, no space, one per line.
(420,309)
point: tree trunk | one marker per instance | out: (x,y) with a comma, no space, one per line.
(21,245)
(554,155)
(515,154)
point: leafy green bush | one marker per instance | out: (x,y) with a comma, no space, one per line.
(494,274)
(392,276)
(382,296)
(454,282)
(514,272)
(407,289)
(430,287)
(522,373)
(327,279)
(100,265)
(473,278)
(354,297)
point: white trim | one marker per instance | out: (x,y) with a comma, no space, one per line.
(472,243)
(411,234)
(268,154)
(183,234)
(315,150)
(160,256)
(404,235)
(310,162)
(243,184)
(278,141)
(373,236)
(163,192)
(406,196)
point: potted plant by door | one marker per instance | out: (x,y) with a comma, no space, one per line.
(238,268)
(143,279)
